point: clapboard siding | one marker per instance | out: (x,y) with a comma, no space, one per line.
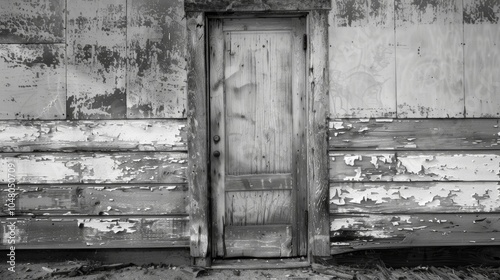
(156,74)
(418,134)
(362,59)
(40,21)
(429,59)
(481,58)
(365,231)
(98,135)
(91,199)
(63,168)
(33,81)
(414,197)
(85,232)
(415,166)
(96,58)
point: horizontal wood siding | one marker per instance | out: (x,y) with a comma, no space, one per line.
(414,134)
(93,199)
(78,80)
(91,233)
(95,135)
(40,168)
(369,231)
(414,197)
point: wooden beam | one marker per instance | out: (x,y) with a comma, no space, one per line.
(414,197)
(33,81)
(156,73)
(254,5)
(96,58)
(378,231)
(32,21)
(91,199)
(317,146)
(197,136)
(86,233)
(96,135)
(414,134)
(64,168)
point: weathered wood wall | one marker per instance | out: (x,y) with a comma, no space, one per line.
(414,143)
(93,117)
(93,108)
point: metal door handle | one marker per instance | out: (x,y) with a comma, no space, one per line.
(216,138)
(216,153)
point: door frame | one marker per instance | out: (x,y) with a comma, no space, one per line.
(317,85)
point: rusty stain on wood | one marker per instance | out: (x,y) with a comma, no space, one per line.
(156,75)
(414,134)
(149,199)
(482,57)
(40,168)
(96,55)
(414,197)
(84,232)
(254,5)
(258,241)
(429,59)
(370,231)
(362,60)
(33,82)
(98,135)
(41,21)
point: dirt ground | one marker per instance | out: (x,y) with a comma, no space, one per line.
(95,271)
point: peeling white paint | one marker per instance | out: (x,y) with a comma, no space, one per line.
(108,225)
(338,125)
(350,159)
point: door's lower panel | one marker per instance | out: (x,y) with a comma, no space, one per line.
(258,241)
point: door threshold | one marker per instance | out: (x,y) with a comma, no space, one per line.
(260,263)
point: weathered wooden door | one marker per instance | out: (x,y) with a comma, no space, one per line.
(257,136)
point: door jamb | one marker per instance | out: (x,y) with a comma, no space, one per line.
(317,130)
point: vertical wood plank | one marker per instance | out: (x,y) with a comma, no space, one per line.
(197,135)
(482,57)
(96,59)
(156,75)
(217,127)
(299,109)
(41,21)
(429,59)
(317,134)
(362,61)
(33,81)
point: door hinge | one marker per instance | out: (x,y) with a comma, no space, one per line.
(304,42)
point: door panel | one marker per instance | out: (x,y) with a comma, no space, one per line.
(257,128)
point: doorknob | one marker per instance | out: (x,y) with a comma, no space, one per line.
(216,138)
(216,154)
